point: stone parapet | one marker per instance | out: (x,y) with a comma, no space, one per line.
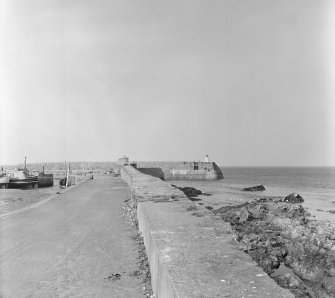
(148,188)
(194,254)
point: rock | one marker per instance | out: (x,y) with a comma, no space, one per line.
(256,210)
(114,277)
(192,208)
(278,234)
(243,215)
(293,282)
(293,198)
(331,211)
(194,199)
(329,284)
(264,200)
(255,188)
(189,191)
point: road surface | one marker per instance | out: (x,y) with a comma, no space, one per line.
(71,246)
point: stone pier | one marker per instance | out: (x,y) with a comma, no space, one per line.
(192,253)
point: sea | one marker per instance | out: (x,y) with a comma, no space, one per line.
(315,184)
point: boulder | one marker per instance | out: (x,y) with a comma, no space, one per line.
(293,198)
(189,191)
(255,188)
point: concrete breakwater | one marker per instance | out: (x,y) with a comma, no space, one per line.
(147,188)
(186,170)
(192,252)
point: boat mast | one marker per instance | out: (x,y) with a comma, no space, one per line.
(25,165)
(67,177)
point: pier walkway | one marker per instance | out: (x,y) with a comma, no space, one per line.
(73,245)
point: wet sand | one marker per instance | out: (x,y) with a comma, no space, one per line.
(16,199)
(230,194)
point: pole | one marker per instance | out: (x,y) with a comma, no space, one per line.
(67,177)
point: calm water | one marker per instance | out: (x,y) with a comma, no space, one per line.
(315,185)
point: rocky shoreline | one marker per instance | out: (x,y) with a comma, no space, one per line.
(297,252)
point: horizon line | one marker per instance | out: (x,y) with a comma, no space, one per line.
(220,165)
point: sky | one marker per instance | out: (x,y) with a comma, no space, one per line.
(248,82)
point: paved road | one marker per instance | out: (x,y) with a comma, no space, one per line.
(69,246)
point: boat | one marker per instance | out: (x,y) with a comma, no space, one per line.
(66,181)
(22,178)
(62,182)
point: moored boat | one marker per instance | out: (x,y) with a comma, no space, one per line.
(62,182)
(22,179)
(66,181)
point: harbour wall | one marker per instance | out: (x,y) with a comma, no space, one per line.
(155,172)
(59,169)
(170,170)
(185,170)
(191,252)
(45,180)
(148,188)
